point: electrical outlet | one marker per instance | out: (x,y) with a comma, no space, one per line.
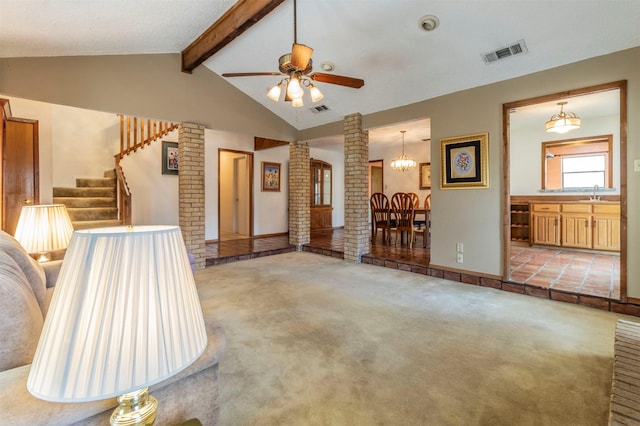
(459,258)
(459,248)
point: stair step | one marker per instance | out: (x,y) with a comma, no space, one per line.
(93,213)
(111,174)
(85,192)
(95,182)
(90,224)
(78,202)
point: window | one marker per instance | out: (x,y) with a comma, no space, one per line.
(583,171)
(577,163)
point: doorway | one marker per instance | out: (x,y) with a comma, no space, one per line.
(376,176)
(235,195)
(512,113)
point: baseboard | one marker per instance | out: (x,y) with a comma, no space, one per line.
(465,272)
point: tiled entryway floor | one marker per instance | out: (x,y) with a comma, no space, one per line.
(593,274)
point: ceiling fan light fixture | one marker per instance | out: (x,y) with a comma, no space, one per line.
(294,90)
(562,122)
(275,92)
(315,93)
(403,163)
(297,102)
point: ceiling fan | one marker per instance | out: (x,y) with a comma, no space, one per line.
(297,68)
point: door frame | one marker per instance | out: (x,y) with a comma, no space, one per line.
(250,195)
(506,197)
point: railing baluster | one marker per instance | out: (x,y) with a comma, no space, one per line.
(121,133)
(128,133)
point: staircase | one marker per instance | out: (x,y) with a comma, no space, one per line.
(92,203)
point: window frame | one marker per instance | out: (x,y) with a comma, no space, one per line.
(576,147)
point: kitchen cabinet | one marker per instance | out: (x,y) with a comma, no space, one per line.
(585,225)
(606,227)
(520,222)
(576,225)
(545,220)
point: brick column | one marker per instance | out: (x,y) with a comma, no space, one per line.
(299,194)
(356,190)
(191,189)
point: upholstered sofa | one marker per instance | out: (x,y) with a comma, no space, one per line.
(25,292)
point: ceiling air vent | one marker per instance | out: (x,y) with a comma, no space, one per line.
(319,108)
(517,48)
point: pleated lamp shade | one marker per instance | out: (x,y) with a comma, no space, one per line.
(44,228)
(125,314)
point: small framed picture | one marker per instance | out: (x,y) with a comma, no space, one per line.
(169,158)
(464,162)
(270,176)
(425,175)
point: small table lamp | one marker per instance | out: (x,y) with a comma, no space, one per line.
(44,228)
(125,315)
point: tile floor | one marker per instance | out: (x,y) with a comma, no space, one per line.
(592,274)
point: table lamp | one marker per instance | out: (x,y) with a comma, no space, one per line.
(44,228)
(125,315)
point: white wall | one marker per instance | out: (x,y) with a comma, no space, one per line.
(408,181)
(526,152)
(270,214)
(154,196)
(73,142)
(84,143)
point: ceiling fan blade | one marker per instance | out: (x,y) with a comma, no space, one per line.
(341,80)
(300,55)
(248,74)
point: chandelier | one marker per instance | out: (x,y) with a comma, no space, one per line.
(562,122)
(402,163)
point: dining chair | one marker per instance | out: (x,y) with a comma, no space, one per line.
(380,217)
(427,218)
(416,206)
(403,210)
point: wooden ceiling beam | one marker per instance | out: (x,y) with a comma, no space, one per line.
(240,17)
(265,143)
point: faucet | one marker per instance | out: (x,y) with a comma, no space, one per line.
(594,197)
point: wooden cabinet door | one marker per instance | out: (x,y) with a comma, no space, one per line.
(20,175)
(546,229)
(576,231)
(606,233)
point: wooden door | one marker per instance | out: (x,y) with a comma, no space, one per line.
(576,231)
(606,233)
(546,229)
(20,172)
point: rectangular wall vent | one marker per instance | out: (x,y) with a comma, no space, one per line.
(319,108)
(517,48)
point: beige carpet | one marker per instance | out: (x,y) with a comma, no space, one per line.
(313,340)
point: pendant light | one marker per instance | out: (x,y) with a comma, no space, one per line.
(402,163)
(562,122)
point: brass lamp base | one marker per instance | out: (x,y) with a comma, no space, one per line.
(135,409)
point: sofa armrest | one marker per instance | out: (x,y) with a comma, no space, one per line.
(51,272)
(19,407)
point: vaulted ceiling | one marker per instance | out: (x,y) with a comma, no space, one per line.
(379,41)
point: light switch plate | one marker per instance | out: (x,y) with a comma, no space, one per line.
(636,165)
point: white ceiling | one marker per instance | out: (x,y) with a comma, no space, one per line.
(377,40)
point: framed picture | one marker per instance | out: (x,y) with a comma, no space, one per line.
(425,175)
(169,158)
(270,176)
(464,162)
